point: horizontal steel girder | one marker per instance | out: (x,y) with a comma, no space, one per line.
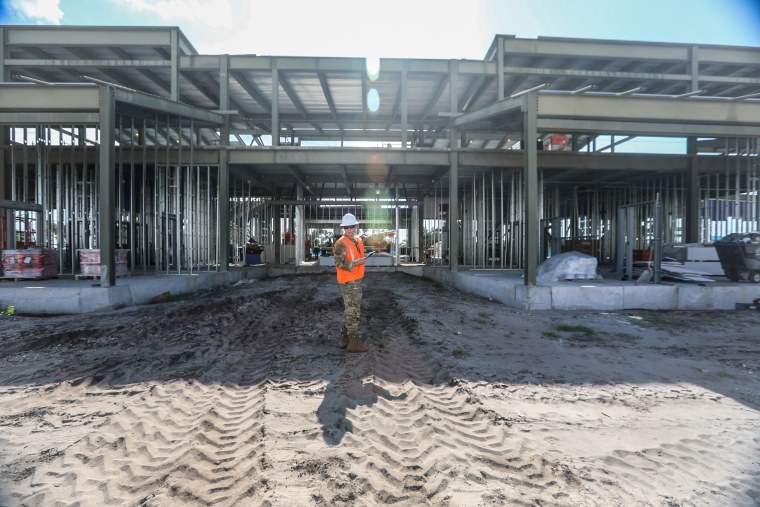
(653,110)
(80,104)
(632,114)
(38,98)
(348,156)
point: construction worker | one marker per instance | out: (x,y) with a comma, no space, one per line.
(349,263)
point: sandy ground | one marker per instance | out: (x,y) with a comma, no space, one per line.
(241,396)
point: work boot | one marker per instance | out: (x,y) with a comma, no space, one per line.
(354,345)
(343,340)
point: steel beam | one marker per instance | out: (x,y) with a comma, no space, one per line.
(501,107)
(36,62)
(4,54)
(328,96)
(106,187)
(652,128)
(223,211)
(646,108)
(339,65)
(532,237)
(338,156)
(403,99)
(453,216)
(36,118)
(275,109)
(83,36)
(291,93)
(22,206)
(589,48)
(157,104)
(729,55)
(59,98)
(343,202)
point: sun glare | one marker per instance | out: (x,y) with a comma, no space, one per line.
(373,67)
(373,100)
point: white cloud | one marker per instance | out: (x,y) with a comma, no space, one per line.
(213,15)
(38,11)
(392,28)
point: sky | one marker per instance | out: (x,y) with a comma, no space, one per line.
(402,28)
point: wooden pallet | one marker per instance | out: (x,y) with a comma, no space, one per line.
(27,278)
(96,277)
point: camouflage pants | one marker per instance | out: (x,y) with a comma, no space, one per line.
(352,301)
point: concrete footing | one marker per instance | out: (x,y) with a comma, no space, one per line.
(507,287)
(69,296)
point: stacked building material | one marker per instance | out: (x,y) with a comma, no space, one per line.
(89,262)
(30,263)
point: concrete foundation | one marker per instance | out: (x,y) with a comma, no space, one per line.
(507,287)
(69,296)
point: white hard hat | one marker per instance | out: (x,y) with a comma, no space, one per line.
(348,220)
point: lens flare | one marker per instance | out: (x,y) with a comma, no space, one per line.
(373,67)
(373,100)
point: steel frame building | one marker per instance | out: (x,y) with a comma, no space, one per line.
(128,137)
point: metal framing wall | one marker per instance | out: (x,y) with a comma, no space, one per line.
(156,199)
(226,137)
(141,177)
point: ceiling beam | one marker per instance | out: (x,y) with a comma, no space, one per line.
(476,90)
(299,177)
(391,174)
(251,90)
(329,98)
(435,97)
(147,73)
(346,182)
(296,101)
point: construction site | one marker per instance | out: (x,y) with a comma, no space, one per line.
(127,152)
(170,316)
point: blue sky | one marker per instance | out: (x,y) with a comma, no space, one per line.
(402,29)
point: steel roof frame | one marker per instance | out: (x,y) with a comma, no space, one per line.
(430,110)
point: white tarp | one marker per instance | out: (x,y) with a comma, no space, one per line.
(568,266)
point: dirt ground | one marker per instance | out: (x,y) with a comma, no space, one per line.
(241,396)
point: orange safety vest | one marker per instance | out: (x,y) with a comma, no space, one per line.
(352,254)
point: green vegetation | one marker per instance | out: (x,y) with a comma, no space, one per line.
(673,321)
(627,338)
(482,318)
(460,353)
(575,328)
(583,334)
(9,312)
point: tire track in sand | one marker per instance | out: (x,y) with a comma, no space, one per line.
(414,439)
(188,442)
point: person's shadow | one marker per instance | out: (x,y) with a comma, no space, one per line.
(352,388)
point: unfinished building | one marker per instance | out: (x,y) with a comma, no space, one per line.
(129,142)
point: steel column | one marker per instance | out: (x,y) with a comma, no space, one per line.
(106,187)
(532,237)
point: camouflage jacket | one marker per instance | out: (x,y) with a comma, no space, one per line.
(340,256)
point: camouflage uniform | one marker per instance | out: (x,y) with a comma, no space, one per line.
(352,294)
